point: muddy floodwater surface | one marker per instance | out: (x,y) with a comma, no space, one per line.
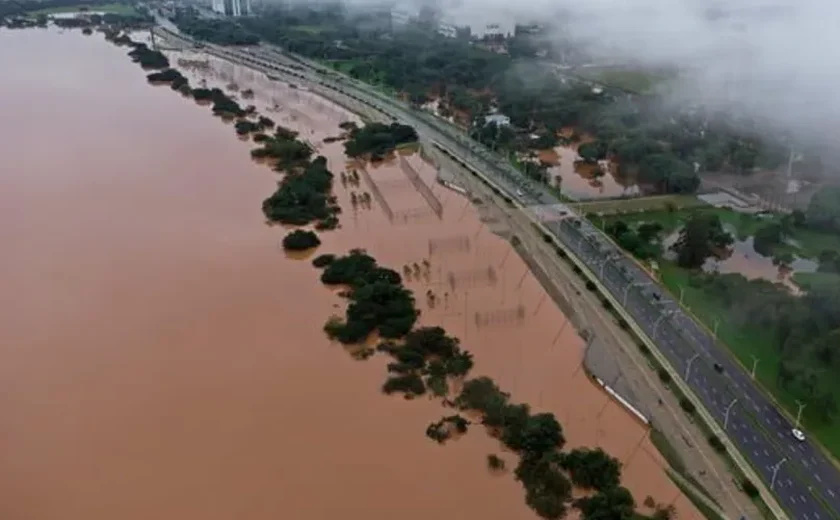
(160,356)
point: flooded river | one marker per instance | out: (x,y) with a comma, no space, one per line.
(160,357)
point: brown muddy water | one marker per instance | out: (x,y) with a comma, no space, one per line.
(742,258)
(577,180)
(160,357)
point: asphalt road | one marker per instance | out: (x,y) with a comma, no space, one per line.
(761,433)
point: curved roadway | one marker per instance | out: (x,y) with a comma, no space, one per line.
(806,483)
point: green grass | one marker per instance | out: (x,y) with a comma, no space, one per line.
(636,204)
(699,504)
(746,342)
(123,9)
(810,242)
(808,280)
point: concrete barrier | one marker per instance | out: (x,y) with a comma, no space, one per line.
(630,408)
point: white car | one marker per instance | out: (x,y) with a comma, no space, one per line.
(797,434)
(519,193)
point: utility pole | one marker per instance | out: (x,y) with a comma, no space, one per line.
(688,368)
(682,293)
(799,413)
(717,322)
(775,472)
(726,415)
(755,364)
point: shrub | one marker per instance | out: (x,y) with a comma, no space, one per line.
(406,383)
(590,285)
(687,405)
(664,376)
(323,260)
(592,468)
(623,324)
(749,488)
(300,240)
(495,462)
(716,444)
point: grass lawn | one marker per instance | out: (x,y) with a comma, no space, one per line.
(637,204)
(808,243)
(808,280)
(745,342)
(638,81)
(124,9)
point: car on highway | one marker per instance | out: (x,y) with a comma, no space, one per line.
(797,434)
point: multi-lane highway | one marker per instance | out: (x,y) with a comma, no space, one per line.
(805,482)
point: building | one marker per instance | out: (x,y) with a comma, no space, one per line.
(448,30)
(232,7)
(497,119)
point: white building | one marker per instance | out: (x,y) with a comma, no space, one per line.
(497,119)
(448,30)
(232,7)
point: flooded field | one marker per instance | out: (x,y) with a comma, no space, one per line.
(160,357)
(742,258)
(580,181)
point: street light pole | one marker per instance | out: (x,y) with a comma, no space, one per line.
(775,472)
(682,293)
(688,368)
(799,413)
(603,266)
(755,364)
(726,415)
(716,327)
(658,321)
(626,292)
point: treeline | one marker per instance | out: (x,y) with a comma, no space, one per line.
(10,8)
(148,58)
(663,152)
(303,195)
(221,31)
(428,359)
(801,330)
(377,140)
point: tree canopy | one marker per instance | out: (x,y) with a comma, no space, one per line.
(701,237)
(376,140)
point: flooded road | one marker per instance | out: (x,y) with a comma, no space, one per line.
(161,358)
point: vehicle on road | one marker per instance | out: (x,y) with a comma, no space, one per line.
(797,434)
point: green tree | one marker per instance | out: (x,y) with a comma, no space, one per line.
(701,237)
(592,468)
(299,240)
(824,209)
(614,503)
